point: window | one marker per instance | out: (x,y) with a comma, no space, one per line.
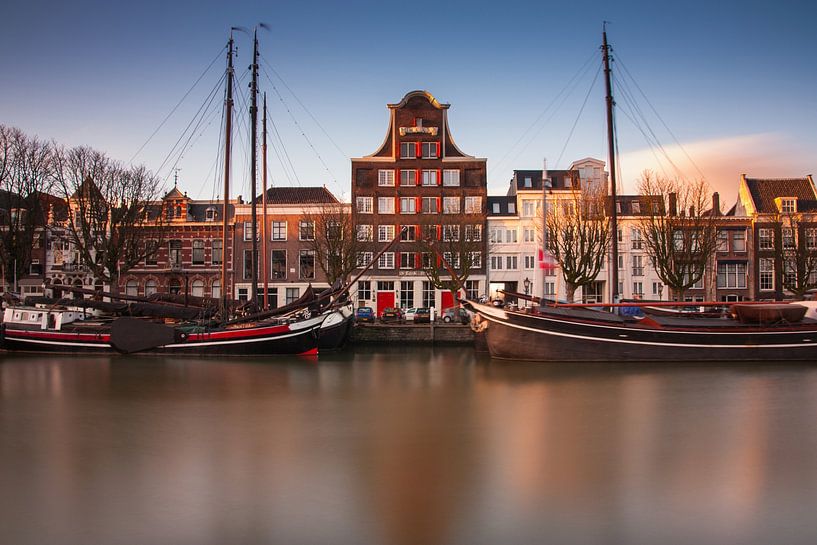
(510,235)
(407,260)
(496,262)
(451,205)
(529,208)
(408,233)
(811,238)
(766,273)
(510,262)
(385,205)
(636,209)
(723,241)
(428,294)
(530,262)
(243,294)
(132,288)
(215,289)
(495,208)
(385,233)
(638,289)
(279,264)
(638,266)
(364,290)
(248,255)
(197,288)
(430,178)
(385,178)
(363,259)
(248,230)
(473,205)
(175,247)
(495,235)
(365,233)
(739,241)
(408,150)
(430,150)
(385,285)
(657,288)
(215,256)
(334,230)
(408,205)
(788,206)
(307,263)
(292,295)
(451,178)
(788,238)
(408,177)
(528,235)
(473,233)
(427,260)
(451,233)
(386,261)
(279,229)
(511,208)
(636,240)
(430,232)
(472,289)
(528,183)
(731,275)
(550,288)
(364,205)
(452,259)
(175,287)
(476,259)
(429,205)
(210,214)
(198,252)
(765,238)
(306,230)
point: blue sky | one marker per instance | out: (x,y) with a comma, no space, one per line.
(733,81)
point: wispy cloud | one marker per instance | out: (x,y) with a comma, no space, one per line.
(721,161)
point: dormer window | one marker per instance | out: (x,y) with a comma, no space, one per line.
(636,207)
(528,182)
(210,214)
(787,205)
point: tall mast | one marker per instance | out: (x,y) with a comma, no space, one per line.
(612,154)
(228,128)
(264,236)
(253,173)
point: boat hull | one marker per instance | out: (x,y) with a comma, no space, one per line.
(335,330)
(543,337)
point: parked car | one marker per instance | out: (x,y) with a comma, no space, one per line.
(418,315)
(391,314)
(456,314)
(364,314)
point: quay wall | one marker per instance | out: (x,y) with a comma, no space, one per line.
(412,334)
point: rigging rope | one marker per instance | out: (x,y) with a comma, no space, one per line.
(578,116)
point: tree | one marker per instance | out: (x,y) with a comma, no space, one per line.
(458,243)
(797,253)
(113,221)
(578,236)
(25,180)
(335,243)
(680,235)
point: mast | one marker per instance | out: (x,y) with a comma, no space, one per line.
(264,236)
(614,295)
(253,173)
(228,127)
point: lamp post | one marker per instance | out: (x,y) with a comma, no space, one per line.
(661,292)
(526,284)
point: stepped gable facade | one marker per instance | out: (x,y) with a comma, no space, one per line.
(418,178)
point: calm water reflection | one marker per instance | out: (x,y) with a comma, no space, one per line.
(408,446)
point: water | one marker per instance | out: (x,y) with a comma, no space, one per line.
(403,446)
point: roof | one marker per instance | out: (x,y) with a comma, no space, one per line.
(765,191)
(646,203)
(503,203)
(175,194)
(532,179)
(299,195)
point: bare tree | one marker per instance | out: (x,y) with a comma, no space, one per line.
(335,242)
(578,236)
(682,235)
(25,181)
(113,221)
(796,253)
(451,250)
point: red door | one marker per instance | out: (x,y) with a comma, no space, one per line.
(385,299)
(447,299)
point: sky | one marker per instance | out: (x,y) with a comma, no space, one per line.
(719,88)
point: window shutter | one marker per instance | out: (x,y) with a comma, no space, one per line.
(439,204)
(439,177)
(418,261)
(399,176)
(397,205)
(418,205)
(438,150)
(439,232)
(417,180)
(397,258)
(397,231)
(418,149)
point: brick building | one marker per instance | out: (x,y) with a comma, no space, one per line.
(420,179)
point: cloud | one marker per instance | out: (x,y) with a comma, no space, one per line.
(721,161)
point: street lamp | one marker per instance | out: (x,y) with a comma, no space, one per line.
(526,284)
(660,292)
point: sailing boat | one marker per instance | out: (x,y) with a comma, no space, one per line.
(582,333)
(67,328)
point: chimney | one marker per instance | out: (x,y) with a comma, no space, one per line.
(716,204)
(673,204)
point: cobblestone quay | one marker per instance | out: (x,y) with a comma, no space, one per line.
(413,334)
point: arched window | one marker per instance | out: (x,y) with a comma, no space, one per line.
(197,288)
(175,287)
(77,284)
(150,287)
(132,288)
(216,289)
